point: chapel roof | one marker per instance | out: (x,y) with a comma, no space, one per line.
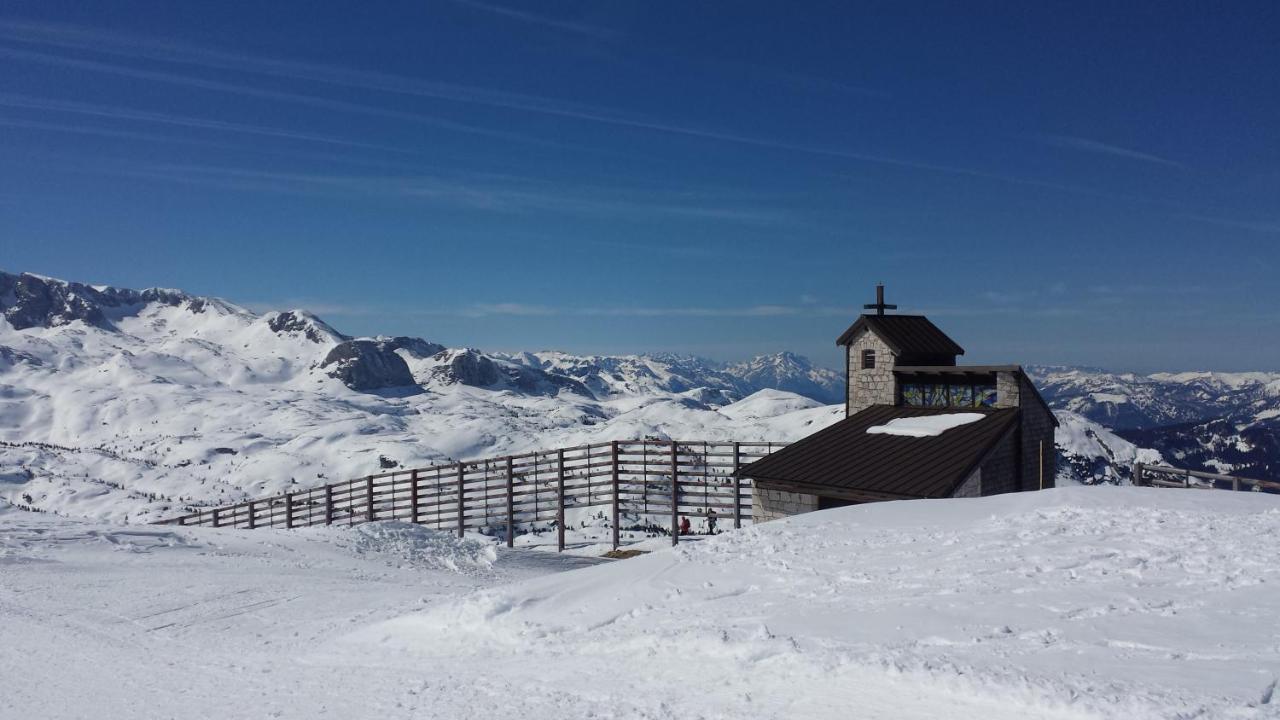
(844,460)
(904,334)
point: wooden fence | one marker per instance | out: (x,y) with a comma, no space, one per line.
(501,494)
(1165,476)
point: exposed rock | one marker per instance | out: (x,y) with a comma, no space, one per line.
(416,347)
(9,356)
(365,365)
(474,368)
(304,323)
(29,301)
(468,367)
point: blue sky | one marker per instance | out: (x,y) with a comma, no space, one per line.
(1083,183)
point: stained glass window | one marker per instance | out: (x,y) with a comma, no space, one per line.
(986,395)
(961,396)
(935,395)
(913,394)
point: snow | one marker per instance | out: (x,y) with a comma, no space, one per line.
(1109,398)
(1133,603)
(177,407)
(1077,435)
(929,426)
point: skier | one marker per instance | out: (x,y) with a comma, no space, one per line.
(711,521)
(684,525)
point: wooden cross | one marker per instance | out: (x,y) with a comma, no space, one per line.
(879,305)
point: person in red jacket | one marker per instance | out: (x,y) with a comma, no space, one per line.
(684,525)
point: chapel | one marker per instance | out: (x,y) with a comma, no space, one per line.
(917,425)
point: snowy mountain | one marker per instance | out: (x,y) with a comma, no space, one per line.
(1126,401)
(118,403)
(1221,422)
(608,376)
(1091,454)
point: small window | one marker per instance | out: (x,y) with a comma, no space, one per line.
(868,359)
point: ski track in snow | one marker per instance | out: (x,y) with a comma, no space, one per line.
(1069,603)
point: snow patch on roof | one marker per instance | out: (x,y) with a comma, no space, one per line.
(928,426)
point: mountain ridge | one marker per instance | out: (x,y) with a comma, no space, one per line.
(116,402)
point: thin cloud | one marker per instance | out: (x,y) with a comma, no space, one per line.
(1094,146)
(1263,226)
(592,31)
(63,36)
(189,81)
(26,102)
(98,132)
(517,309)
(750,311)
(468,193)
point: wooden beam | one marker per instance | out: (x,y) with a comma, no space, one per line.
(560,500)
(511,505)
(617,490)
(461,501)
(737,486)
(414,498)
(675,492)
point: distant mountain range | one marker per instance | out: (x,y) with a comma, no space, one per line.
(1216,421)
(116,402)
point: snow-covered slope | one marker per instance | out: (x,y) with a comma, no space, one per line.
(1090,454)
(1077,603)
(1118,602)
(119,403)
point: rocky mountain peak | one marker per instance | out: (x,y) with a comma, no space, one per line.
(304,323)
(28,300)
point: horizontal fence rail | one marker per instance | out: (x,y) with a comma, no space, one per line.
(645,485)
(1165,476)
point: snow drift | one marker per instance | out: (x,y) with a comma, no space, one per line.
(1106,602)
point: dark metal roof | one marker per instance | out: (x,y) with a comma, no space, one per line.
(954,369)
(844,461)
(904,334)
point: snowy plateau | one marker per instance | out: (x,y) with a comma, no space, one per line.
(1073,603)
(119,407)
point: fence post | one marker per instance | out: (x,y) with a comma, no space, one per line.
(328,504)
(288,511)
(1186,480)
(413,497)
(253,522)
(368,498)
(1137,474)
(461,502)
(215,517)
(511,504)
(1235,483)
(617,488)
(737,486)
(675,505)
(560,500)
